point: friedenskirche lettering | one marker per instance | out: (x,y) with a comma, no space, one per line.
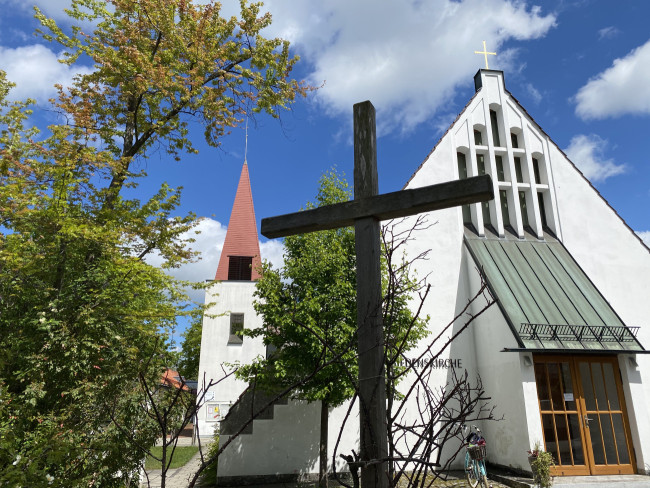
(433,363)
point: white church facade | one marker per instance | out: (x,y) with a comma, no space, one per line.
(560,353)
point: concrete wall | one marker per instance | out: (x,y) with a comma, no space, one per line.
(217,354)
(619,265)
(450,290)
(288,444)
(509,382)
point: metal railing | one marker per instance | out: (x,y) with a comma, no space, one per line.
(581,333)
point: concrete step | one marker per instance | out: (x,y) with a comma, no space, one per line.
(618,481)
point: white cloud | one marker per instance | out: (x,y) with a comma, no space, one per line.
(51,8)
(587,152)
(621,89)
(406,57)
(273,251)
(608,32)
(534,93)
(645,236)
(209,243)
(35,69)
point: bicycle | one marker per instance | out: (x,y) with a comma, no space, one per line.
(475,452)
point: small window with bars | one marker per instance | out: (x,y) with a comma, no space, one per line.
(505,213)
(236,328)
(240,268)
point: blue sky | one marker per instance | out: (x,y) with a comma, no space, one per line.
(580,68)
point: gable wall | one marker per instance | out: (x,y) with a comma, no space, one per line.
(607,250)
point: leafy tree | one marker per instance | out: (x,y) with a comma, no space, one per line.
(309,312)
(84,319)
(188,362)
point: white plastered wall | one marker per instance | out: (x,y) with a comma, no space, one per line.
(216,353)
(444,266)
(289,442)
(286,444)
(510,382)
(619,266)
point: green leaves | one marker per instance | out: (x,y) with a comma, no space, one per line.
(83,316)
(159,63)
(309,311)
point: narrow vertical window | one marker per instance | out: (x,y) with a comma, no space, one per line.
(462,174)
(462,165)
(520,176)
(495,128)
(514,140)
(478,137)
(236,328)
(503,196)
(485,206)
(524,209)
(500,174)
(480,164)
(542,209)
(538,178)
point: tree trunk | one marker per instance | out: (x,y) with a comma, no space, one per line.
(322,471)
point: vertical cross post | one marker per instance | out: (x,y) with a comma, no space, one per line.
(372,385)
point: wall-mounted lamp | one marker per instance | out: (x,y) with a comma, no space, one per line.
(527,361)
(633,363)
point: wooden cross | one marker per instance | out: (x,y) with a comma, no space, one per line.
(485,52)
(365,212)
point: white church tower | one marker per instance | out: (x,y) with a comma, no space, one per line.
(232,297)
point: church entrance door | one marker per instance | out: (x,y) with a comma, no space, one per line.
(583,415)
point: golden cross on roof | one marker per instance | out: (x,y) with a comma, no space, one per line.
(485,52)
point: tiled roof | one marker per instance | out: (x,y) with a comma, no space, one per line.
(241,236)
(172,379)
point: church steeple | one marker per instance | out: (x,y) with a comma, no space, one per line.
(240,257)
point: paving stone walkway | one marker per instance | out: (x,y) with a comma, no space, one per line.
(176,478)
(179,477)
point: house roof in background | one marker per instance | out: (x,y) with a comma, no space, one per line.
(172,379)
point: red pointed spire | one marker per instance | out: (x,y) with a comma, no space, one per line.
(242,243)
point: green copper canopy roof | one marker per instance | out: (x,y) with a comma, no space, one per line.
(548,300)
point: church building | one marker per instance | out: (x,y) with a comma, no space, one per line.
(561,352)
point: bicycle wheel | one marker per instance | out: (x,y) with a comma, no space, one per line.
(484,482)
(471,471)
(482,471)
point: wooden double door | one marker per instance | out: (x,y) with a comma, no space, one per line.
(583,414)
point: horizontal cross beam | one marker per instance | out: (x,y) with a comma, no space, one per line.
(381,207)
